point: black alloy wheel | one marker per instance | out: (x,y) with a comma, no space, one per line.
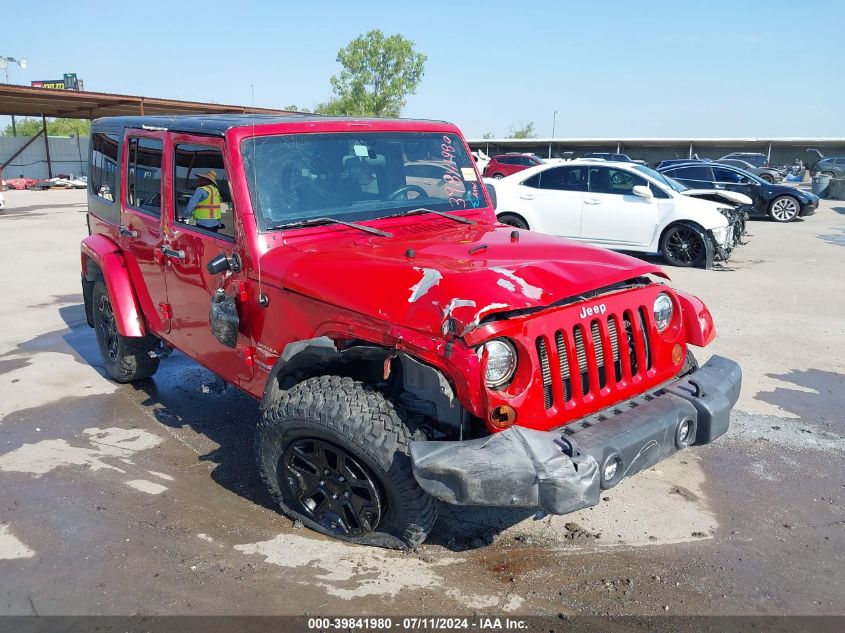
(107,327)
(330,486)
(684,246)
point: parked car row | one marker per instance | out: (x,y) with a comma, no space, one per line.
(693,213)
(623,206)
(782,203)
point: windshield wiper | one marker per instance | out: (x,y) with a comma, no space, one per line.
(318,221)
(442,214)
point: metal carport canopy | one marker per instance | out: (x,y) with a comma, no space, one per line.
(73,104)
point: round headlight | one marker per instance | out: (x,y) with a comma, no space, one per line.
(501,362)
(662,311)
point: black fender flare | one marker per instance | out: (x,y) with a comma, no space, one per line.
(432,393)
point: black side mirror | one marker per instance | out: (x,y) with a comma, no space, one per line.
(491,191)
(221,263)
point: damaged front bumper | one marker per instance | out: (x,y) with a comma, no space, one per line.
(565,470)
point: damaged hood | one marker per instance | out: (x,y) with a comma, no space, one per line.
(435,276)
(730,197)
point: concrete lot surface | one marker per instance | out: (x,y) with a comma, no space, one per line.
(144,499)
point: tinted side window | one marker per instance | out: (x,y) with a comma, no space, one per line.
(564,179)
(726,175)
(505,160)
(103,173)
(143,174)
(701,174)
(616,181)
(534,181)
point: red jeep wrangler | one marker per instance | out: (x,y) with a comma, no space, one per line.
(406,348)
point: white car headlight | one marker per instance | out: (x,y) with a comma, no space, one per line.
(662,311)
(720,234)
(501,362)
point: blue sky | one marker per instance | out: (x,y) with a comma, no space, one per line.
(611,68)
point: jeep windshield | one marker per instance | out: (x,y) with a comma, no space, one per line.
(294,178)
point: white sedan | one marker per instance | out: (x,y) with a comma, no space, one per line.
(624,206)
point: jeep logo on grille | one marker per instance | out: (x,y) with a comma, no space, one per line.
(597,309)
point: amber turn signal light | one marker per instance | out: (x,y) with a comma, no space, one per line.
(677,354)
(503,416)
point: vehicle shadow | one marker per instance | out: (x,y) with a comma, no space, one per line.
(185,395)
(840,210)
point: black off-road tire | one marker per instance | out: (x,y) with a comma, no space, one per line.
(370,429)
(126,359)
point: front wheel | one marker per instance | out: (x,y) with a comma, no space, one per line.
(512,219)
(334,455)
(784,209)
(768,178)
(684,245)
(126,359)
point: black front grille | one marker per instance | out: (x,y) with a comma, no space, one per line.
(572,350)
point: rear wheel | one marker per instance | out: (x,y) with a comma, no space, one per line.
(126,359)
(784,209)
(512,219)
(684,245)
(334,455)
(768,178)
(498,176)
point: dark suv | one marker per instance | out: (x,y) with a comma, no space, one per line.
(833,167)
(507,164)
(782,203)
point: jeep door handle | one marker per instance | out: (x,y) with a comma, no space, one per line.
(169,252)
(592,201)
(125,231)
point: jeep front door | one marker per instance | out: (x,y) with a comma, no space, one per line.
(140,232)
(613,215)
(191,241)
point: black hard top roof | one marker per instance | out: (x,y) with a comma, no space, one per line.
(218,124)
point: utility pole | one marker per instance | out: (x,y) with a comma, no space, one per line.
(554,122)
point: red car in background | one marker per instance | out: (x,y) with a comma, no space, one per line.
(507,164)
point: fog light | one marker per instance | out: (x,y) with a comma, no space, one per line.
(685,433)
(503,416)
(611,471)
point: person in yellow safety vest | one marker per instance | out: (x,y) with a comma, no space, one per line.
(204,205)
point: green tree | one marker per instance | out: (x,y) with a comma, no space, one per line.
(487,135)
(55,127)
(522,130)
(378,74)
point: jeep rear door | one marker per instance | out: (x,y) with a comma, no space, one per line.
(140,233)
